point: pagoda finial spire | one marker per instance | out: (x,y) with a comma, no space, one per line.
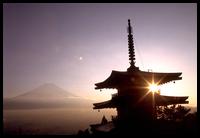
(131,47)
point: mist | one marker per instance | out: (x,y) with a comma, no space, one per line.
(58,121)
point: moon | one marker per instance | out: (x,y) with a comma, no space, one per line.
(80,58)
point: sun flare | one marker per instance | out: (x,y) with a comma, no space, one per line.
(153,87)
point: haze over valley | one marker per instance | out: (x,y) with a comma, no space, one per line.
(49,109)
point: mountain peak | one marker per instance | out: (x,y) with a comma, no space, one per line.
(49,85)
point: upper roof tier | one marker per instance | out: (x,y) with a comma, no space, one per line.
(137,78)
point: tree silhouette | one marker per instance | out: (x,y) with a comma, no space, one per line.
(172,112)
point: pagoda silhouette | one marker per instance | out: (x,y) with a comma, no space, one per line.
(134,102)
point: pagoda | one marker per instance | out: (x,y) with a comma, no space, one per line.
(134,102)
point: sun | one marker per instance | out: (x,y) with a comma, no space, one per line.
(153,87)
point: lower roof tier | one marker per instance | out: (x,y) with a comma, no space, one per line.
(136,78)
(160,100)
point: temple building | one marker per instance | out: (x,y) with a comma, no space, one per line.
(134,101)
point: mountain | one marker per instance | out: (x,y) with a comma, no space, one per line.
(46,96)
(47,90)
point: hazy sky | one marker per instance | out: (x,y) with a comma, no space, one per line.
(77,45)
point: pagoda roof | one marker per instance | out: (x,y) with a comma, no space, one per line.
(136,78)
(160,100)
(105,104)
